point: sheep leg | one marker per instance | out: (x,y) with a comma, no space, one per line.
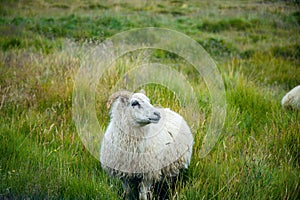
(131,188)
(145,190)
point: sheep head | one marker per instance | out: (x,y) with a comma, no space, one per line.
(138,107)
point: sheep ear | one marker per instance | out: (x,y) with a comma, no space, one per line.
(124,100)
(142,91)
(116,95)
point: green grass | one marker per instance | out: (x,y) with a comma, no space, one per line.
(255,44)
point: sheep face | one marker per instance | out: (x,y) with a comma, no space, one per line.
(141,111)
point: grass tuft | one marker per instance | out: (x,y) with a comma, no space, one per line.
(231,24)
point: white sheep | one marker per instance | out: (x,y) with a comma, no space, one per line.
(292,99)
(144,146)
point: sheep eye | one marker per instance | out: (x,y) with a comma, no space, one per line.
(135,103)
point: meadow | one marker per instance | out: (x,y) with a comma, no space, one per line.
(256,47)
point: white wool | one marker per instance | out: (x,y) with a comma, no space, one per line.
(161,145)
(292,99)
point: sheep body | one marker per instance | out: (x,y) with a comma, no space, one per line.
(292,99)
(148,153)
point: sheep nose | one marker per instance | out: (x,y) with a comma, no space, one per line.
(157,114)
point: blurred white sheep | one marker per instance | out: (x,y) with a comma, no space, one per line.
(144,146)
(292,99)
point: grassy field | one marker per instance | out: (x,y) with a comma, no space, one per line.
(255,44)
